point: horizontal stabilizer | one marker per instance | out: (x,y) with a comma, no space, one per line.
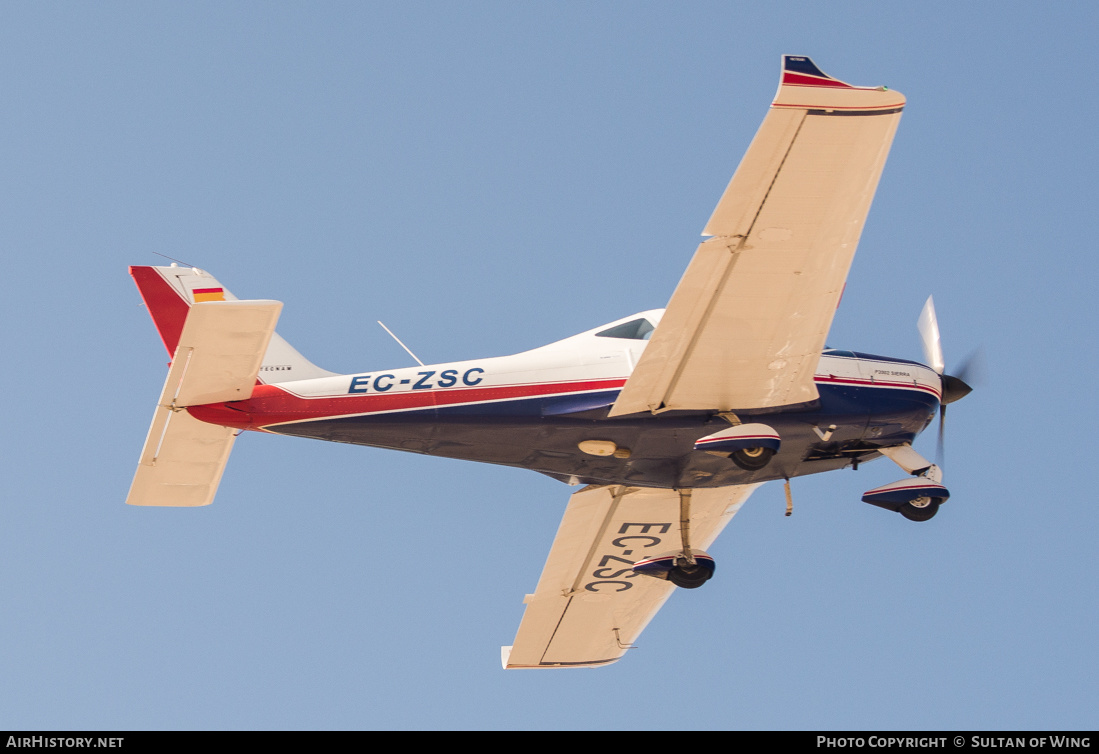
(182,462)
(220,352)
(218,357)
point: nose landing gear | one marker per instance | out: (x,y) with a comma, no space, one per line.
(917,498)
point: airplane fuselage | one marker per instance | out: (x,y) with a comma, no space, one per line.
(532,410)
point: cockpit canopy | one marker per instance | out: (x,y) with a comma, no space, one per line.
(637,329)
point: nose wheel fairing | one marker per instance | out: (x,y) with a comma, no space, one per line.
(906,491)
(918,497)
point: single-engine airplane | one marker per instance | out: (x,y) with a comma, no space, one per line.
(669,418)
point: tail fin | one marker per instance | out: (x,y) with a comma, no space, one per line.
(169,293)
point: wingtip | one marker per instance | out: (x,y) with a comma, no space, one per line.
(802,64)
(800,70)
(804,85)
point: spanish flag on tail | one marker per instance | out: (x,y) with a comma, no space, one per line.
(208,294)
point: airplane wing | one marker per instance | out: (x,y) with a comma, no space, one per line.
(589,607)
(746,325)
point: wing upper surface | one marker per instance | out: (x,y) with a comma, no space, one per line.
(589,606)
(746,325)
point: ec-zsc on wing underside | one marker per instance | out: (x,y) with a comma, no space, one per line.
(670,418)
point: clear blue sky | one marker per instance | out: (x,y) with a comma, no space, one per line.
(486,178)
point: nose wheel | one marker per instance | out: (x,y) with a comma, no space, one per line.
(922,508)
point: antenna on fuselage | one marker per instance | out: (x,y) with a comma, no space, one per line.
(402,345)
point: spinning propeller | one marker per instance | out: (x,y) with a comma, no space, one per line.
(953,388)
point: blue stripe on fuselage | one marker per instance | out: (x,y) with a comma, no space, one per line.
(843,400)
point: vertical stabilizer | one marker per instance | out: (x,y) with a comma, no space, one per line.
(169,293)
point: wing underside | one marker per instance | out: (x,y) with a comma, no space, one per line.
(746,325)
(589,607)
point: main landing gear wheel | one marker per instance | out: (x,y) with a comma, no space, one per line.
(752,459)
(920,509)
(689,576)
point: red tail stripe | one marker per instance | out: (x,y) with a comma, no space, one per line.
(165,305)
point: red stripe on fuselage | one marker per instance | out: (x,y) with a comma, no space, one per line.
(270,404)
(856,382)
